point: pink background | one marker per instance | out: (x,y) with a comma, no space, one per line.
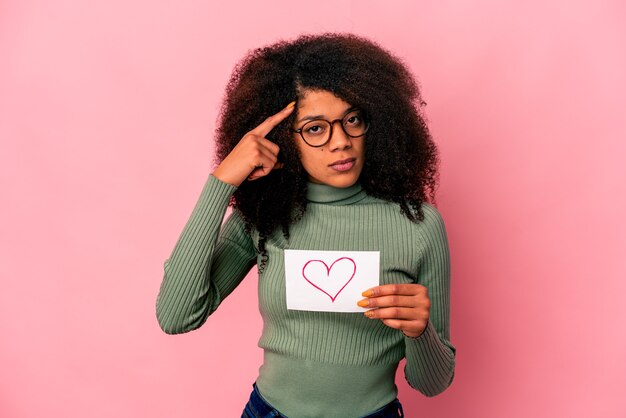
(107,111)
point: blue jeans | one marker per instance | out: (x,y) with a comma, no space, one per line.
(257,407)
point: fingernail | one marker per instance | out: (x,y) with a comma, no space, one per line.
(292,104)
(369,314)
(363,303)
(368,293)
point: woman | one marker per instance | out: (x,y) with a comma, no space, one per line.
(347,165)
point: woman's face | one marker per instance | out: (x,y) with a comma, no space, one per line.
(339,162)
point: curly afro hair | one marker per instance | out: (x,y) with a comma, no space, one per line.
(401,160)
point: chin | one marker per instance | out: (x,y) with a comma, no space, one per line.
(340,182)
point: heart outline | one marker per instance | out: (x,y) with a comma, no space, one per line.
(328,269)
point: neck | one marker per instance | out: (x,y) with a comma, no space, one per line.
(325,194)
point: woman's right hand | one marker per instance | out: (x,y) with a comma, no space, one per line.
(254,156)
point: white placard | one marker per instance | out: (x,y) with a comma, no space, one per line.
(329,281)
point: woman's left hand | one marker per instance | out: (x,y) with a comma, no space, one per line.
(402,306)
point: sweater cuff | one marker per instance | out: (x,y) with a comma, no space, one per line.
(427,345)
(219,187)
(215,193)
(210,207)
(426,337)
(431,359)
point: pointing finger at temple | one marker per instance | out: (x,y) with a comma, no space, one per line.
(271,122)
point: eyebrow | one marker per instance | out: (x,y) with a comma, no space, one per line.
(314,117)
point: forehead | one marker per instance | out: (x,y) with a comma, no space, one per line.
(321,103)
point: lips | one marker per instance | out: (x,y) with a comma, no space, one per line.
(343,165)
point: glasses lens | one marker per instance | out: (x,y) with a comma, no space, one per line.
(354,124)
(316,132)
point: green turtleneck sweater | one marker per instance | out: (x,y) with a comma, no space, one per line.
(318,364)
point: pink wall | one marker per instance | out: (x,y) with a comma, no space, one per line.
(107,110)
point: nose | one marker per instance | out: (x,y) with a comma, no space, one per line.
(339,140)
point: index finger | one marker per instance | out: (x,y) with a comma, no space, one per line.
(408,289)
(271,122)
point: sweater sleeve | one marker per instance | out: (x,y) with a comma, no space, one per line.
(430,357)
(207,263)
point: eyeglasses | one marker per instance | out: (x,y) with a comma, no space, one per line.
(316,133)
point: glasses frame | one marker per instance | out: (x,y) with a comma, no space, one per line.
(332,124)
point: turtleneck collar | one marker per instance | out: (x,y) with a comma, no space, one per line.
(322,193)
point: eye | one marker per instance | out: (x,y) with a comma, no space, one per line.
(314,129)
(353,119)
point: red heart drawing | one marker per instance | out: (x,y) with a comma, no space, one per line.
(327,282)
